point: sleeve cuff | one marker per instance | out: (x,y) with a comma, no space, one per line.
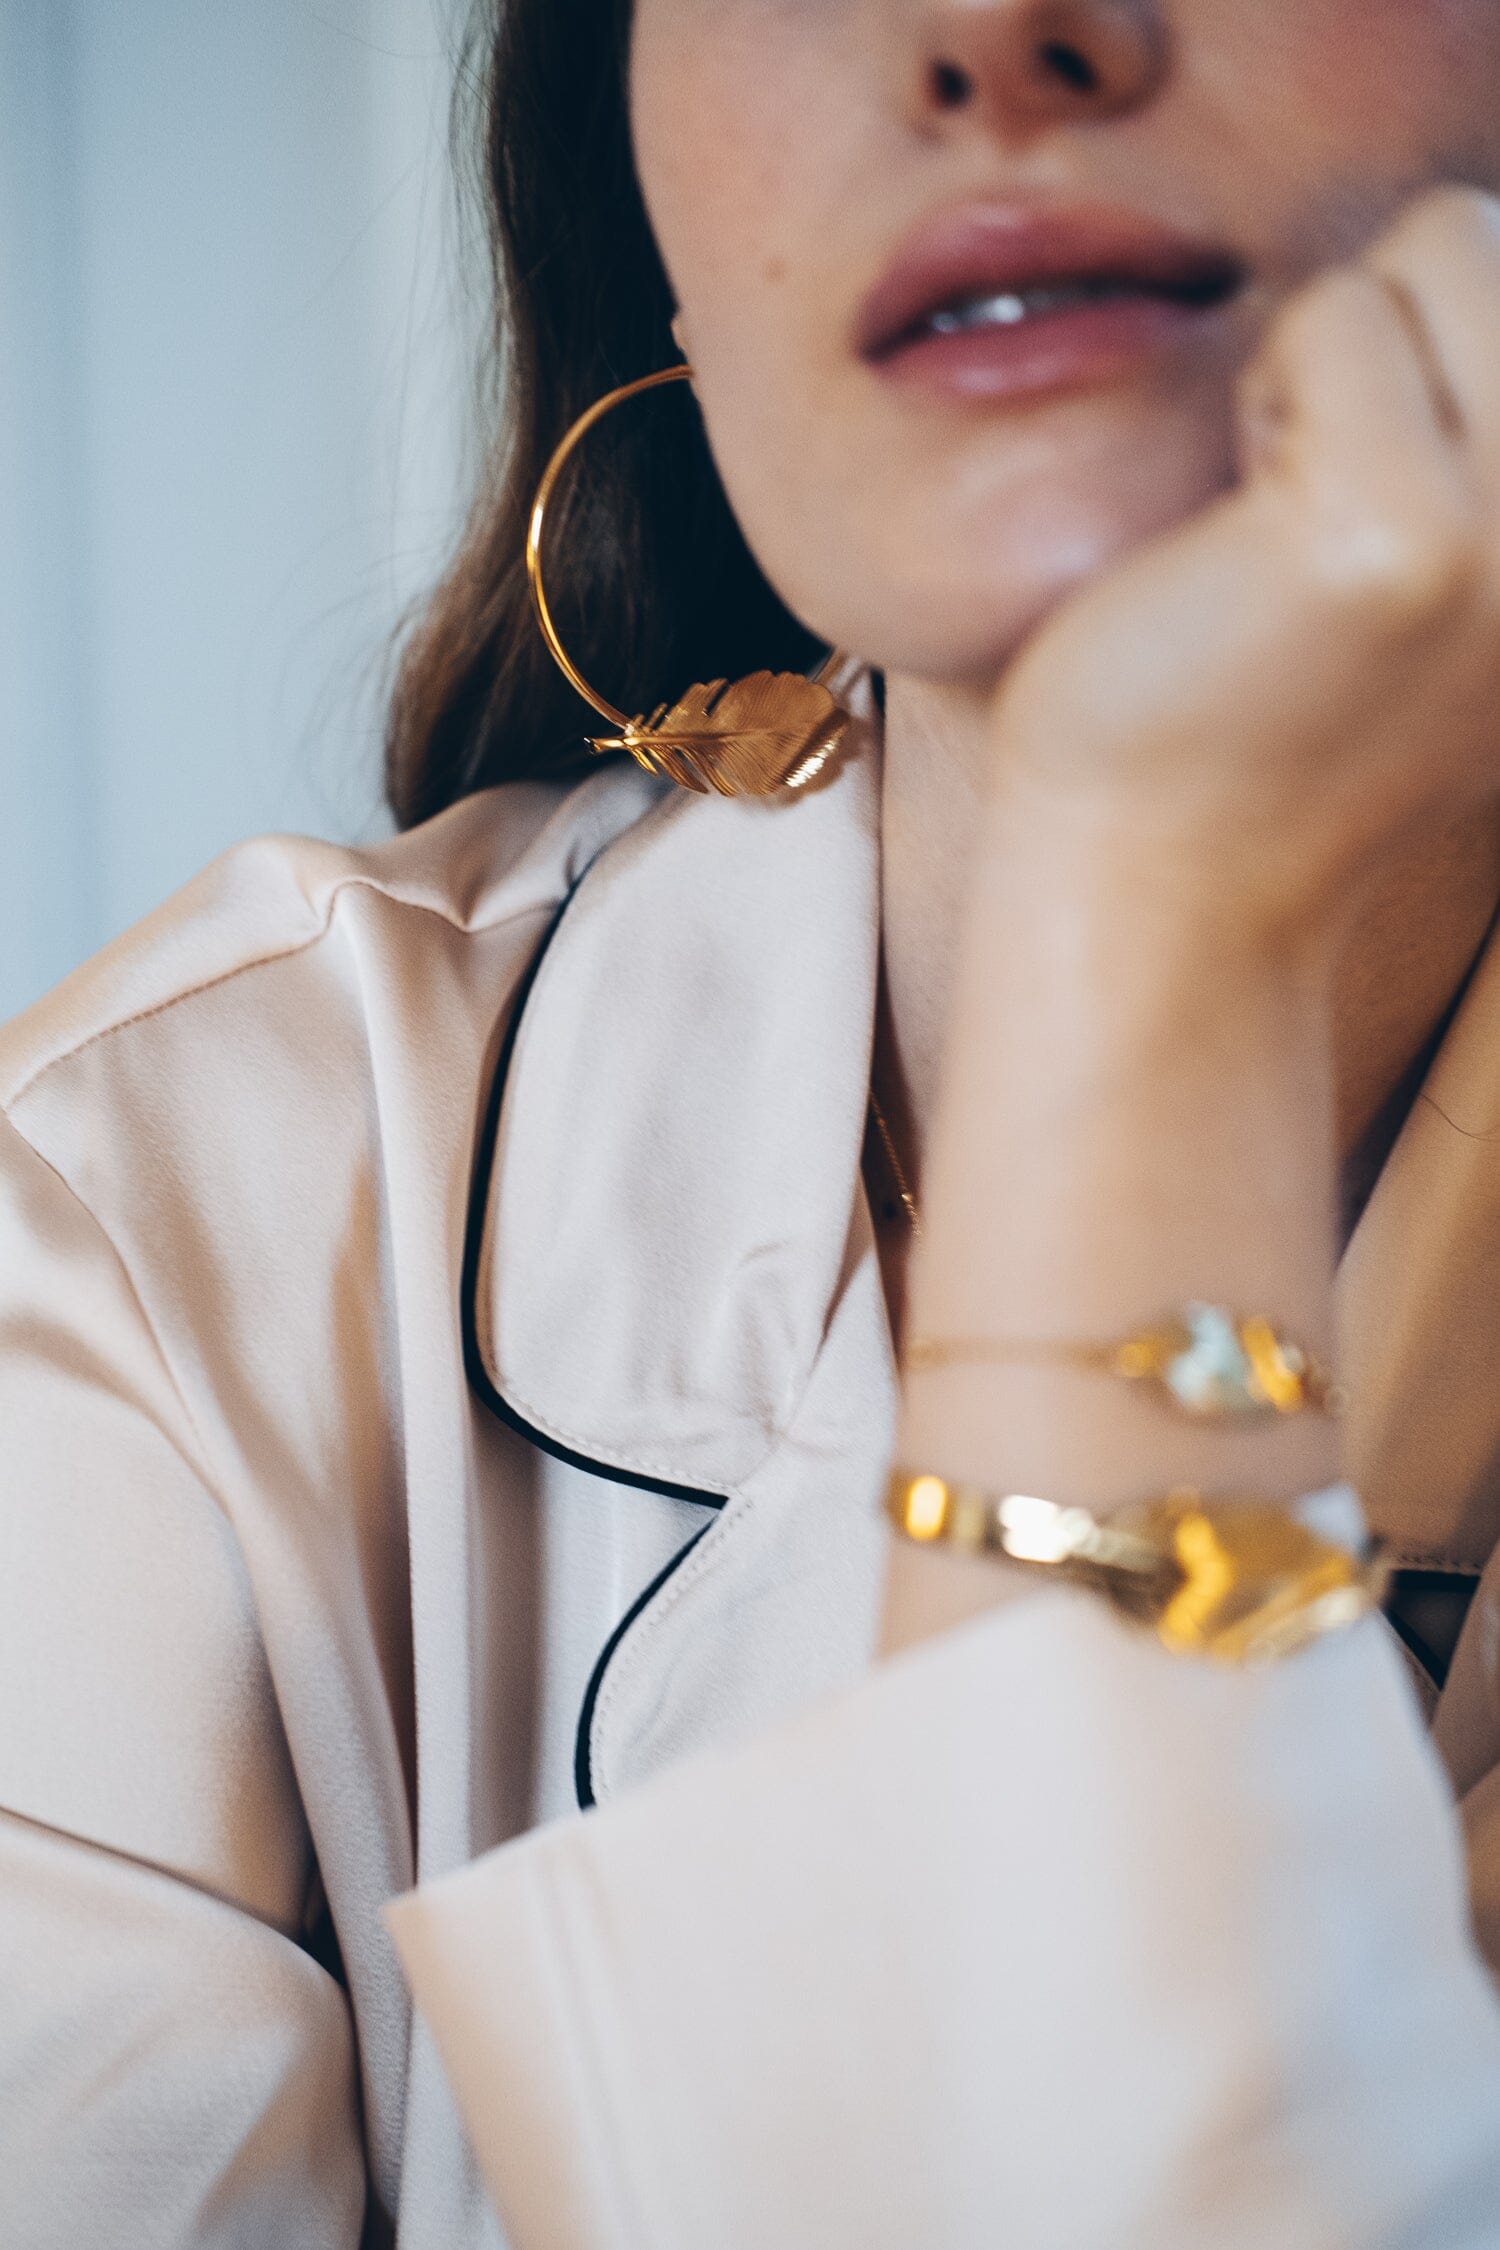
(1038,1936)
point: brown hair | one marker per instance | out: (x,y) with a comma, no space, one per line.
(652,583)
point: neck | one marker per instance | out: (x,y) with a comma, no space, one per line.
(1420,922)
(936,765)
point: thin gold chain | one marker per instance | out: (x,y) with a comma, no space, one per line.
(1290,1380)
(898,1170)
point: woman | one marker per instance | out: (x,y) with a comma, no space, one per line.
(447,1365)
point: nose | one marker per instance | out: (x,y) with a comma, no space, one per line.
(1020,65)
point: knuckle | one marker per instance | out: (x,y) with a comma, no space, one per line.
(1447,215)
(1331,324)
(1322,310)
(1404,574)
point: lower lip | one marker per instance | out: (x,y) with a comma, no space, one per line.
(1056,351)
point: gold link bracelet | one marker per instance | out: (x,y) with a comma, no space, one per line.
(1236,1581)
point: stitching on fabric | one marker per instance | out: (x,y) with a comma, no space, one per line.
(739,1507)
(666,811)
(203,1466)
(261,961)
(579,1441)
(1423,1558)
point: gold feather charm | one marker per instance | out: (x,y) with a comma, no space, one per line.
(740,738)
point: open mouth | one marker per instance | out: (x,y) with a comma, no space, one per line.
(1015,306)
(1002,299)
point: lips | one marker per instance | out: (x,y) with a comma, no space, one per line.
(1007,267)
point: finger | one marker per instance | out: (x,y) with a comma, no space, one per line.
(1341,404)
(1442,265)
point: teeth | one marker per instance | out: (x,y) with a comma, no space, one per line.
(1012,306)
(983,312)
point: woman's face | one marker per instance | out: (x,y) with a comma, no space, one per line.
(967,286)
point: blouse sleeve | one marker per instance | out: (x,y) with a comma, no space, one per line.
(175,2068)
(1039,1936)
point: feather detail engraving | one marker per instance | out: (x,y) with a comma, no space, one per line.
(739,738)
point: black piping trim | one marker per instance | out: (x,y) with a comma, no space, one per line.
(1422,1656)
(1435,1666)
(479,1194)
(479,1375)
(583,1745)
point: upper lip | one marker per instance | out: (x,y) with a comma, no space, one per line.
(986,249)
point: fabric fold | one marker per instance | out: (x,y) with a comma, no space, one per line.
(1035,1936)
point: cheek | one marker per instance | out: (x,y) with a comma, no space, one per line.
(1368,91)
(753,124)
(777,176)
(721,107)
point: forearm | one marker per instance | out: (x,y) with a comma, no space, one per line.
(1137,1111)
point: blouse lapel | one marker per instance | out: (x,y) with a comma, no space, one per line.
(679,1133)
(675,1282)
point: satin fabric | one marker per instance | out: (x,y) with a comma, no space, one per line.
(340,1433)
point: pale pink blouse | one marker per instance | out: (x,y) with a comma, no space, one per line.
(444,1376)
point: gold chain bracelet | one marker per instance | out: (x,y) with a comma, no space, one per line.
(1207,1362)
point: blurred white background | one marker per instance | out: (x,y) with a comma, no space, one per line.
(235,352)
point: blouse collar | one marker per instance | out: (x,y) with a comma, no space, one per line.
(678,1136)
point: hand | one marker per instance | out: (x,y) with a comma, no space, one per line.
(1261,702)
(1196,760)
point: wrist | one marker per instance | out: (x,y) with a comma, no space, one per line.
(1119,979)
(1192,883)
(1137,1113)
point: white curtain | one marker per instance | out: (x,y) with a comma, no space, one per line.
(235,343)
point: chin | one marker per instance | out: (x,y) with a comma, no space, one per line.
(950,592)
(957,627)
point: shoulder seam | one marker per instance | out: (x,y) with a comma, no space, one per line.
(203,1465)
(243,968)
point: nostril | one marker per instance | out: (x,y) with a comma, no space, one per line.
(1068,64)
(952,86)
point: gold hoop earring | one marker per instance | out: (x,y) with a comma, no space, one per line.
(741,738)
